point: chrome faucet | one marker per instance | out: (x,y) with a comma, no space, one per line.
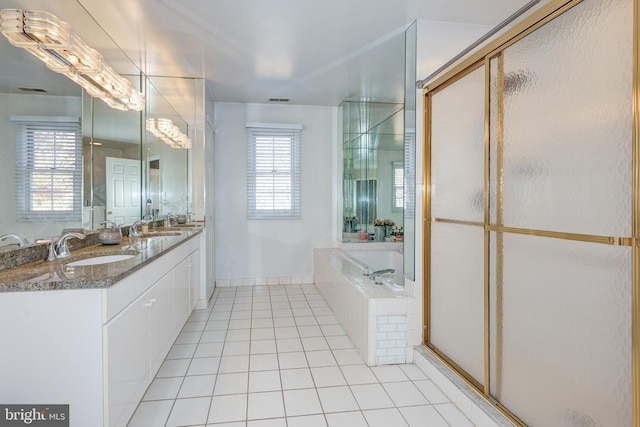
(58,248)
(381,272)
(22,240)
(376,276)
(171,216)
(133,229)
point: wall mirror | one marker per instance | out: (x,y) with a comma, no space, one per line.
(112,152)
(31,94)
(107,141)
(166,167)
(373,169)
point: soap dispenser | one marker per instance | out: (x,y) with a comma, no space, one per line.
(110,234)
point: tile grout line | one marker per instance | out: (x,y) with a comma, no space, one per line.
(294,317)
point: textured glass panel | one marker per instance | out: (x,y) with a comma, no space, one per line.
(457,295)
(568,89)
(562,357)
(457,149)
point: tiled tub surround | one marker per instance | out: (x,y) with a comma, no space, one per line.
(93,337)
(363,307)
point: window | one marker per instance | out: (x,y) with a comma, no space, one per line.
(398,186)
(273,171)
(48,169)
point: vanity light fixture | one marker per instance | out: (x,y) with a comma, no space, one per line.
(52,41)
(168,132)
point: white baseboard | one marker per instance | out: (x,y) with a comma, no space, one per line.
(265,281)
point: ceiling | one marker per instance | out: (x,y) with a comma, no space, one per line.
(311,52)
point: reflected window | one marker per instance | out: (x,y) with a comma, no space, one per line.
(273,172)
(398,186)
(49,169)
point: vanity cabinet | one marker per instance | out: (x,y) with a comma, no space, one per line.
(97,350)
(136,343)
(182,293)
(139,337)
(163,303)
(127,362)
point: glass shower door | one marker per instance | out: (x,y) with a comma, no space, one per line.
(562,184)
(530,209)
(457,212)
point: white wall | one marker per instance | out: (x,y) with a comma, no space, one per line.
(259,250)
(249,252)
(438,42)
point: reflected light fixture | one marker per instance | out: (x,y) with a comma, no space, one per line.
(52,41)
(168,132)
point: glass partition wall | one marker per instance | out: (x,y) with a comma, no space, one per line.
(531,214)
(379,156)
(410,94)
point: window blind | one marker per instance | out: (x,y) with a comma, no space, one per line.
(398,186)
(48,170)
(409,174)
(273,172)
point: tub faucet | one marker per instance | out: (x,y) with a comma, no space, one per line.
(381,272)
(376,276)
(22,240)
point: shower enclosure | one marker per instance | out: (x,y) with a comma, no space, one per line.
(532,218)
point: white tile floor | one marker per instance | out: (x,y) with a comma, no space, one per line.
(276,356)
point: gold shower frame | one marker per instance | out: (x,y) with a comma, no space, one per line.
(482,57)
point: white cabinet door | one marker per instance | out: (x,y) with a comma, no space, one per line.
(196,287)
(161,320)
(183,308)
(126,344)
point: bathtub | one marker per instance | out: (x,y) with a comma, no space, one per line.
(381,320)
(379,259)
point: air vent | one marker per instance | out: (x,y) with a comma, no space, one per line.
(278,99)
(32,89)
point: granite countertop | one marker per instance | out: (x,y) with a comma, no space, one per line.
(43,275)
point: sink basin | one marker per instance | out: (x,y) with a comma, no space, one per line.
(101,259)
